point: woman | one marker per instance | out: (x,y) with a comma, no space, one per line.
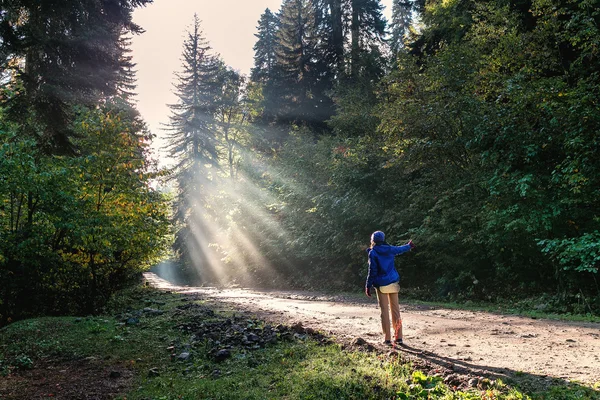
(383,275)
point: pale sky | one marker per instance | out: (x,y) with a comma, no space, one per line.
(228,25)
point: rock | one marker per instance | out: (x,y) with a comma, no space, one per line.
(222,355)
(152,311)
(78,319)
(528,336)
(272,340)
(485,383)
(359,342)
(115,374)
(184,356)
(251,337)
(298,328)
(132,321)
(571,341)
(153,372)
(452,380)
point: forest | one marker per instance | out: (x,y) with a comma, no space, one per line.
(470,127)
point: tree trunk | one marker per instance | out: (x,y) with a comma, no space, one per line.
(335,7)
(355,31)
(94,284)
(30,210)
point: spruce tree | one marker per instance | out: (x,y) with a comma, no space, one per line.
(367,27)
(263,74)
(193,141)
(302,75)
(264,49)
(62,53)
(127,80)
(293,57)
(401,20)
(337,33)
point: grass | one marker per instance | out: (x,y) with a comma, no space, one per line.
(296,367)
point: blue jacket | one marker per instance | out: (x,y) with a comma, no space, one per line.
(382,270)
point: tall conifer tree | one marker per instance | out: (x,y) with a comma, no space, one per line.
(303,78)
(295,44)
(264,49)
(401,20)
(264,72)
(367,28)
(337,33)
(192,140)
(62,53)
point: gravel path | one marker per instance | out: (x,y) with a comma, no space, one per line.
(468,341)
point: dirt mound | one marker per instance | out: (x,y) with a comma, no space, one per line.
(86,379)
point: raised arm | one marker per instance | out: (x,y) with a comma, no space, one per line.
(404,248)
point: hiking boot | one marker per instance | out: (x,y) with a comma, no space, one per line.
(398,341)
(387,342)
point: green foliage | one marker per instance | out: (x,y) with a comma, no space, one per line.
(23,362)
(265,47)
(75,229)
(47,53)
(302,75)
(481,145)
(400,23)
(580,254)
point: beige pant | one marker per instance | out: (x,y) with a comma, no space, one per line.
(389,302)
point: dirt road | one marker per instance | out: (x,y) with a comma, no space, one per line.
(465,341)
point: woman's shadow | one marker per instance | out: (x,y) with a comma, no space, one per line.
(453,368)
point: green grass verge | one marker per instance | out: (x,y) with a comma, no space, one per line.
(295,367)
